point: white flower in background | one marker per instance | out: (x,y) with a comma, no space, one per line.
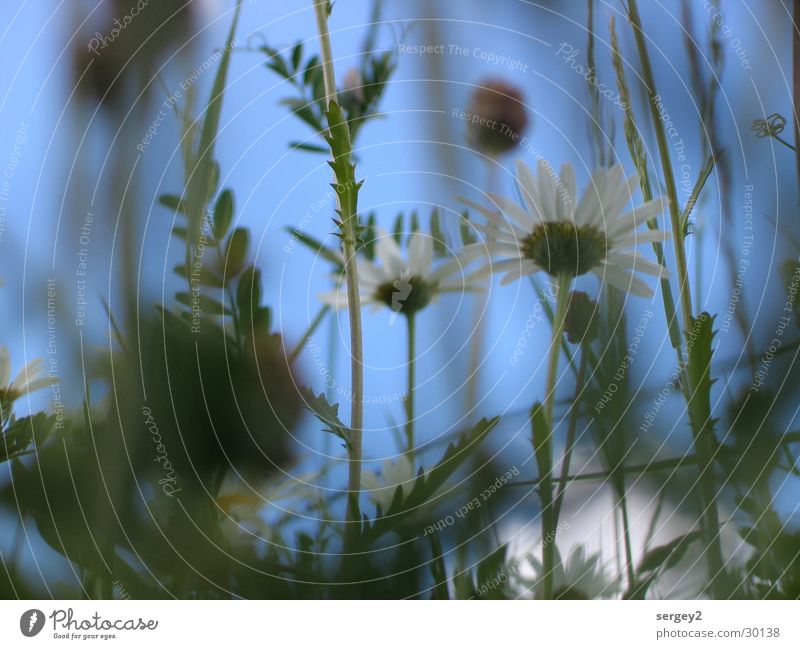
(560,235)
(406,286)
(244,505)
(30,378)
(581,578)
(381,490)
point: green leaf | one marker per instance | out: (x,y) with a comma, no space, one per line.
(542,440)
(492,565)
(705,172)
(427,484)
(202,179)
(236,252)
(248,292)
(467,233)
(328,414)
(297,55)
(172,202)
(699,346)
(316,246)
(306,146)
(312,71)
(397,230)
(202,275)
(19,436)
(439,242)
(668,555)
(223,214)
(275,62)
(202,302)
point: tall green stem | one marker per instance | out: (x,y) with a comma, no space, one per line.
(572,428)
(349,235)
(562,301)
(702,445)
(410,396)
(544,448)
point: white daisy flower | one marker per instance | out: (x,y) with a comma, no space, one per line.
(405,285)
(557,234)
(381,490)
(581,577)
(243,505)
(30,378)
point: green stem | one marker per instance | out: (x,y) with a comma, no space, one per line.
(626,535)
(410,397)
(684,290)
(562,300)
(349,236)
(708,489)
(546,486)
(572,427)
(309,332)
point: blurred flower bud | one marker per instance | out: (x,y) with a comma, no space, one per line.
(496,117)
(580,323)
(352,87)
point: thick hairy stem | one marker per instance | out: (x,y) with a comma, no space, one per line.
(349,236)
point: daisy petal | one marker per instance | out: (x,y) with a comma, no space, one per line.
(633,219)
(623,279)
(420,254)
(389,253)
(636,237)
(511,209)
(530,192)
(637,263)
(527,267)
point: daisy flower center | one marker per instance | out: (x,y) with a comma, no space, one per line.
(405,295)
(559,247)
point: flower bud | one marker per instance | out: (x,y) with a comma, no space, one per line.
(497,117)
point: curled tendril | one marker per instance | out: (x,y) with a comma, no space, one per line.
(769,127)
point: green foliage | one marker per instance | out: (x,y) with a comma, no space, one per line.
(405,509)
(328,414)
(358,103)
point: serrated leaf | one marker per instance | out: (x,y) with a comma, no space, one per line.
(338,139)
(223,214)
(427,484)
(328,414)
